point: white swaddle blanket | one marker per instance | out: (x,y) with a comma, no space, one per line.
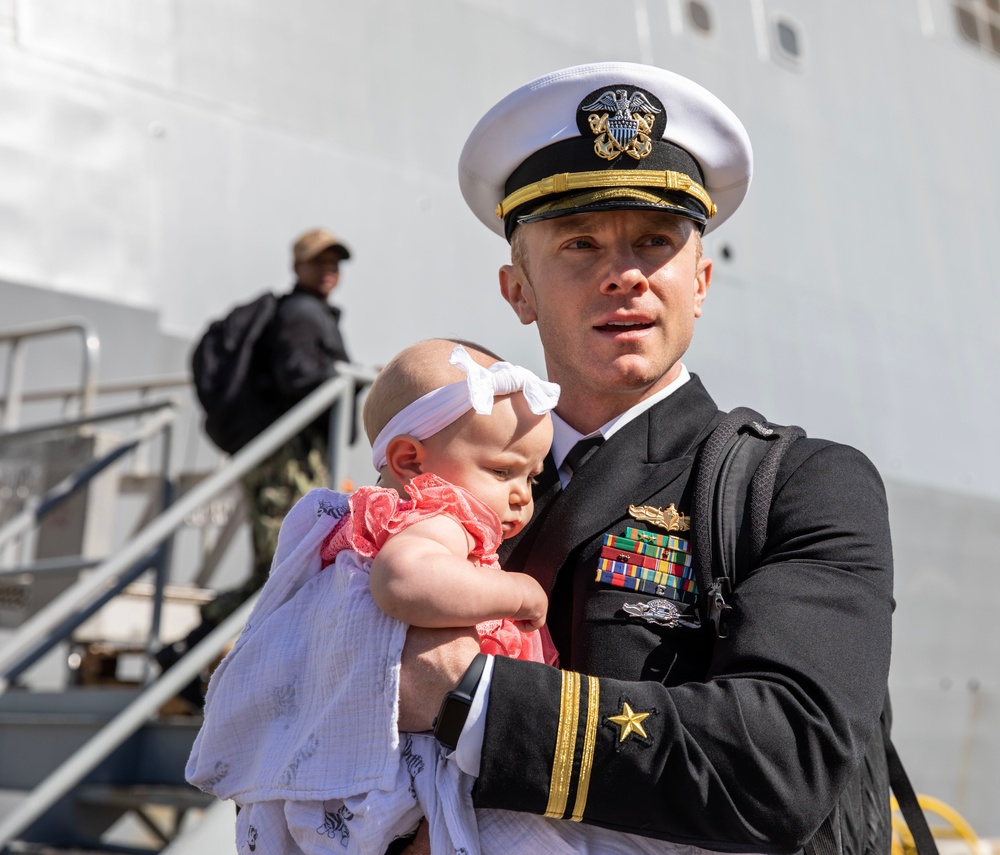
(304,708)
(300,726)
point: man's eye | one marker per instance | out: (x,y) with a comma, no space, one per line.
(580,243)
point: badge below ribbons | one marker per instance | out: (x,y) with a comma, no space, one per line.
(649,563)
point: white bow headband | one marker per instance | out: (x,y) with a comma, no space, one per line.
(439,408)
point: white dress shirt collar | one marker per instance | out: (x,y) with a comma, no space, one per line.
(565,437)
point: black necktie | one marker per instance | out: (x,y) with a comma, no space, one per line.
(581,452)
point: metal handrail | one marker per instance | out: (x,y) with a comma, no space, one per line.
(38,506)
(59,565)
(156,560)
(338,389)
(122,387)
(11,405)
(115,732)
(337,393)
(64,425)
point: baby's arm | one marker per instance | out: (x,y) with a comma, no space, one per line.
(423,577)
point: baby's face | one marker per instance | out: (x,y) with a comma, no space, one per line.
(496,457)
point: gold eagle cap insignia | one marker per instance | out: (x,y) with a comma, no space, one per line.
(622,123)
(669,519)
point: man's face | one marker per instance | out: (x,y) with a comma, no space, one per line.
(320,274)
(615,296)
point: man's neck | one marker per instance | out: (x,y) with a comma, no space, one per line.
(568,432)
(587,413)
(299,288)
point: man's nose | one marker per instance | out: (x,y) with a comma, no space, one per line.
(623,273)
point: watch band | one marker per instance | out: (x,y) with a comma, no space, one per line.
(456,704)
(470,679)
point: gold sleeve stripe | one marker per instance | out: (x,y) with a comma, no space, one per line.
(565,181)
(562,762)
(589,742)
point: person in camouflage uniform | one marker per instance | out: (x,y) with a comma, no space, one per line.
(269,493)
(297,354)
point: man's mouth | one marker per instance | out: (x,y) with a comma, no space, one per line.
(624,326)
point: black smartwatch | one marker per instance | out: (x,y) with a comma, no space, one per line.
(456,705)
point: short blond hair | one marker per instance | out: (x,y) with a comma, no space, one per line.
(411,374)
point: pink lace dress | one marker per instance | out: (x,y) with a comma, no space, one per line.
(378,513)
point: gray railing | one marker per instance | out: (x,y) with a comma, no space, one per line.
(142,387)
(23,527)
(337,395)
(116,731)
(10,402)
(36,508)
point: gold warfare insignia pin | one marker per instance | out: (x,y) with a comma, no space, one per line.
(630,722)
(622,122)
(669,519)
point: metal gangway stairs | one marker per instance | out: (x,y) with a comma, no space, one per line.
(80,762)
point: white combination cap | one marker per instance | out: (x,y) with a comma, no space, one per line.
(606,136)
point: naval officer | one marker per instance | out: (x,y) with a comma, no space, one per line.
(604,178)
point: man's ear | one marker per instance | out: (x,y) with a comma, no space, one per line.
(517,290)
(703,278)
(405,456)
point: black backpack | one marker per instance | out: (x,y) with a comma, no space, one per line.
(231,384)
(735,483)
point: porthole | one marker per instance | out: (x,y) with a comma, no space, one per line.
(979,23)
(787,39)
(700,17)
(967,24)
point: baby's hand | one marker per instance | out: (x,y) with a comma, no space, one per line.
(534,603)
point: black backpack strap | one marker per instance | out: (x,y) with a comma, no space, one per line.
(735,479)
(735,484)
(762,485)
(909,806)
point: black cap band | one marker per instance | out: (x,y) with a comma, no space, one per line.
(576,155)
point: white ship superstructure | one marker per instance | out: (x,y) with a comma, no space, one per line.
(157,157)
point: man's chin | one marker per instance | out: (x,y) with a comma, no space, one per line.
(633,373)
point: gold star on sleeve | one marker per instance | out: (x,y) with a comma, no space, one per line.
(630,722)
